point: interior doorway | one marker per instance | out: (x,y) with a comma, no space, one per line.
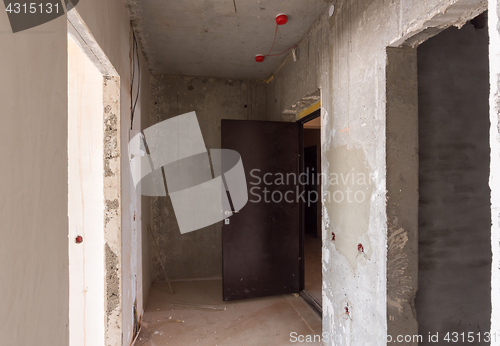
(94,243)
(310,128)
(454,288)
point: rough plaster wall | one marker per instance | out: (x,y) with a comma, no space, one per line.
(402,191)
(196,254)
(109,23)
(34,170)
(454,209)
(345,56)
(112,211)
(494,25)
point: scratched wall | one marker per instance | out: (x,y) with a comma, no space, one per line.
(454,209)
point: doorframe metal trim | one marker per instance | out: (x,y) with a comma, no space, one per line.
(301,122)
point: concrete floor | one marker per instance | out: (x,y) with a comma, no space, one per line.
(258,321)
(313,269)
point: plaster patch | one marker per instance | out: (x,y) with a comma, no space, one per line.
(350,196)
(400,286)
(326,255)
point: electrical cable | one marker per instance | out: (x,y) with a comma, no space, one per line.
(283,51)
(274,42)
(275,35)
(139,79)
(135,53)
(132,82)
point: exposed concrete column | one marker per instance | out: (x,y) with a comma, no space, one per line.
(402,191)
(494,29)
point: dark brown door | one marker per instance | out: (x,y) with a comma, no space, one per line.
(261,244)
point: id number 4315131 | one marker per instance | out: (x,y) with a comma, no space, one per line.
(470,337)
(18,7)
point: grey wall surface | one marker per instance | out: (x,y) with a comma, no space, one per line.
(34,185)
(402,190)
(196,254)
(454,208)
(346,57)
(34,173)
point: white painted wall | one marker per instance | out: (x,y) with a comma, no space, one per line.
(85,199)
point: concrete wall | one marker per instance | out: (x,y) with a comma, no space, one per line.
(345,55)
(196,254)
(454,209)
(402,189)
(34,256)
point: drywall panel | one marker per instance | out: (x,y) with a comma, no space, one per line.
(85,198)
(34,95)
(34,185)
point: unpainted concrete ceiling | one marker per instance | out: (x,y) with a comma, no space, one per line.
(210,38)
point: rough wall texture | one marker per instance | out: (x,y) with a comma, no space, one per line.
(345,55)
(196,254)
(112,212)
(454,208)
(494,25)
(402,191)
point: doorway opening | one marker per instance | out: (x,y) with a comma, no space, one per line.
(310,128)
(454,219)
(94,195)
(262,254)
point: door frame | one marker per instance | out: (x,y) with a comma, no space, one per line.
(307,297)
(111,251)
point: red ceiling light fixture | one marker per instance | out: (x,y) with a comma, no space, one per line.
(259,58)
(281,19)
